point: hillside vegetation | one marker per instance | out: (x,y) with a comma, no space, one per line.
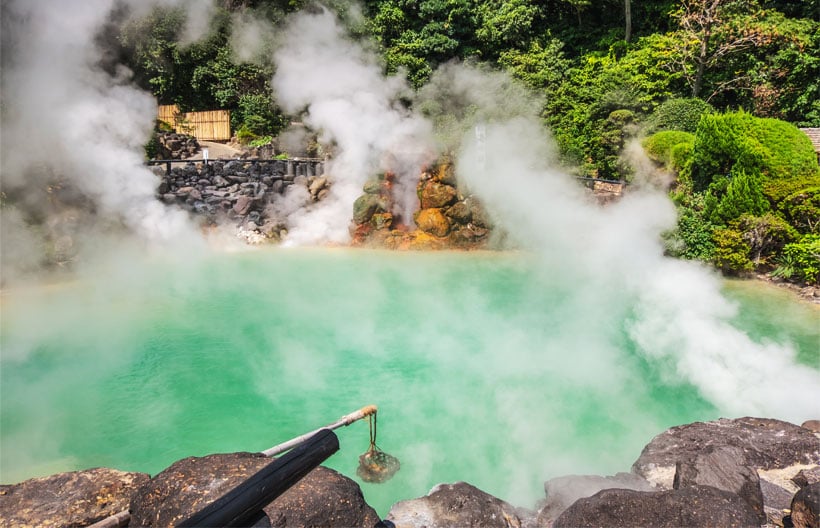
(715,89)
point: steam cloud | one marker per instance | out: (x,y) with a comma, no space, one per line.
(70,118)
(344,95)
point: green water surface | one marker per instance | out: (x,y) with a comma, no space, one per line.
(484,370)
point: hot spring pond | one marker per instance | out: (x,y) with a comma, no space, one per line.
(484,368)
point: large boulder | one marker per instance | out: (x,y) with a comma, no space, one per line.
(74,499)
(322,498)
(449,505)
(720,468)
(562,492)
(433,221)
(764,444)
(366,206)
(692,506)
(805,507)
(436,195)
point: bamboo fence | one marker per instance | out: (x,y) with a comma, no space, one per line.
(211,125)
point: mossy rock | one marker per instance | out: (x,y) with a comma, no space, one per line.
(366,206)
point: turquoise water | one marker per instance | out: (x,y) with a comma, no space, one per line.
(484,369)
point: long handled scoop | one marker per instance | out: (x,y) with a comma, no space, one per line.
(344,421)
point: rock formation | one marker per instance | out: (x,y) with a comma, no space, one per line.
(741,472)
(445,218)
(77,498)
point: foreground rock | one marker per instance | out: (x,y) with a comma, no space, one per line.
(323,498)
(450,505)
(692,506)
(78,498)
(763,444)
(737,455)
(562,492)
(720,468)
(805,507)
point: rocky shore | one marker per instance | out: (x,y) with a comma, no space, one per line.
(728,473)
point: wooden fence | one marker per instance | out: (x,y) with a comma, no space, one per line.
(213,125)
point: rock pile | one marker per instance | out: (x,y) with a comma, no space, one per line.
(248,193)
(733,473)
(445,218)
(171,145)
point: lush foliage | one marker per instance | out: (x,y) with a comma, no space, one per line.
(716,88)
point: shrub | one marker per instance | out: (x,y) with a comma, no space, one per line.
(727,143)
(659,146)
(729,198)
(678,114)
(800,260)
(731,253)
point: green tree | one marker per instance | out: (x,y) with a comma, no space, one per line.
(731,253)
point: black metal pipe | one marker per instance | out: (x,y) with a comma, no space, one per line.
(243,505)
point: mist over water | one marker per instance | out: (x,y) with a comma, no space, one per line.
(498,369)
(484,368)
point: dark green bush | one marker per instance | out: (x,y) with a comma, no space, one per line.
(737,141)
(678,114)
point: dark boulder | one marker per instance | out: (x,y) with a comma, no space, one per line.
(322,498)
(692,506)
(78,498)
(720,468)
(806,507)
(562,492)
(458,504)
(763,444)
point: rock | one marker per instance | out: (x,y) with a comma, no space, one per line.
(811,425)
(561,492)
(449,505)
(460,212)
(432,221)
(365,207)
(243,205)
(806,507)
(382,220)
(719,467)
(317,185)
(692,506)
(78,498)
(764,444)
(807,476)
(435,195)
(372,186)
(322,498)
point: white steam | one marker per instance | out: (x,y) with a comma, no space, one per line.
(675,310)
(67,117)
(340,87)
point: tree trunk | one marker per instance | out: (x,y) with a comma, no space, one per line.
(628,17)
(701,62)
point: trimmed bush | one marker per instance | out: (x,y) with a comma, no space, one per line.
(679,114)
(729,143)
(659,146)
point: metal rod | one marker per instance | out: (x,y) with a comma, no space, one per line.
(344,421)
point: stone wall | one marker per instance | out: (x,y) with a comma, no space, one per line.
(244,192)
